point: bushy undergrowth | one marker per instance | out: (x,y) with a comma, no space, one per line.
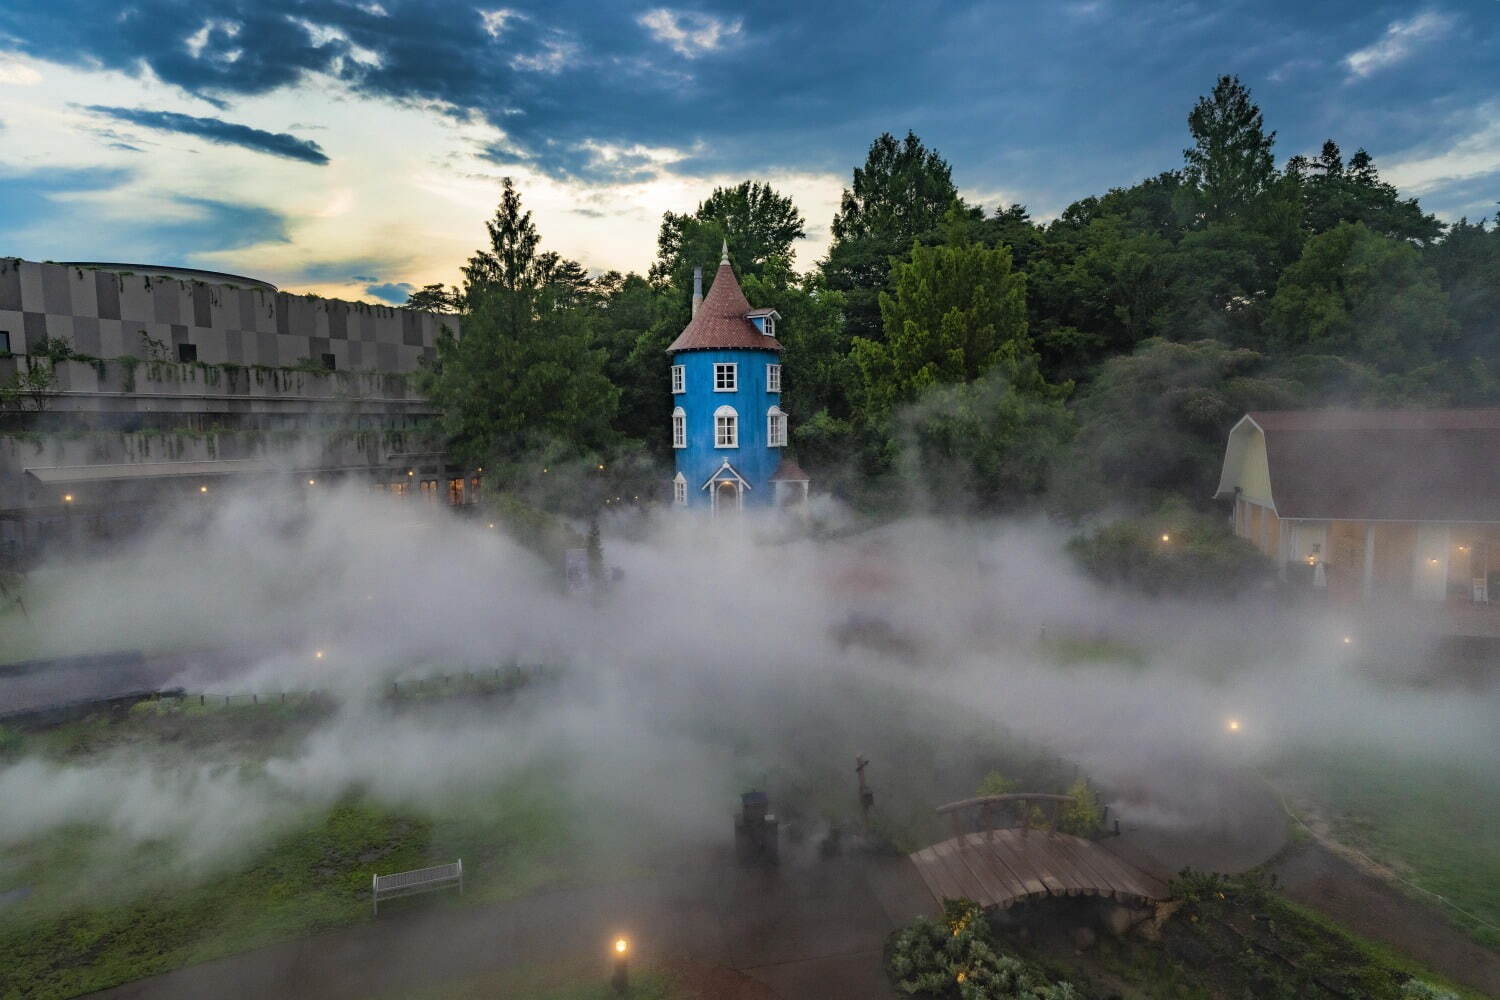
(957,958)
(1176,552)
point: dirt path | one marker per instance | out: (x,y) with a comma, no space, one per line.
(810,929)
(1316,877)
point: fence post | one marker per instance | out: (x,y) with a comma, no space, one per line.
(375,893)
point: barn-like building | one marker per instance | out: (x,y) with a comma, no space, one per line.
(1373,503)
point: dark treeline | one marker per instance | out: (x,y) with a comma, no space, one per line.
(951,355)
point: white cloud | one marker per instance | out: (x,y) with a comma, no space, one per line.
(1473,155)
(689,33)
(495,21)
(554,54)
(17,73)
(323,34)
(1400,40)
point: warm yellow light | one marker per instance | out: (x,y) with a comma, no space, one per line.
(1348,640)
(203,489)
(411,472)
(1312,560)
(312,482)
(480,469)
(601,467)
(1166,538)
(1463,548)
(67,498)
(492,524)
(1432,562)
(318,655)
(621,946)
(1234,725)
(544,468)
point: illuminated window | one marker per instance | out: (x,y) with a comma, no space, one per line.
(679,428)
(473,489)
(400,489)
(679,491)
(775,428)
(726,428)
(726,377)
(678,385)
(456,492)
(430,490)
(773,378)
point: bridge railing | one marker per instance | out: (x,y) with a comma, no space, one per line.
(1020,804)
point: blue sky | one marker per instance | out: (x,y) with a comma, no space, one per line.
(354,148)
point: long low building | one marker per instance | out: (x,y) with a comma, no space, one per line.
(1400,504)
(129,385)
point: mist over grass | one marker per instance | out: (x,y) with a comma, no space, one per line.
(727,656)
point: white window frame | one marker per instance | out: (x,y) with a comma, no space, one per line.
(679,428)
(732,439)
(679,381)
(679,490)
(775,428)
(770,326)
(773,378)
(733,370)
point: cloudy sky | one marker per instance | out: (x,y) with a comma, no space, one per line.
(354,148)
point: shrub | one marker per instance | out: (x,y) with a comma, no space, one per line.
(956,958)
(996,783)
(1082,817)
(1174,552)
(11,743)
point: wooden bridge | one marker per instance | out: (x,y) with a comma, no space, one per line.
(1002,867)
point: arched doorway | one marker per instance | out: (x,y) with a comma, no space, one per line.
(727,497)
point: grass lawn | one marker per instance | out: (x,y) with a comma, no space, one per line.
(86,912)
(1430,822)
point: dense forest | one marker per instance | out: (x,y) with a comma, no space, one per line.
(950,356)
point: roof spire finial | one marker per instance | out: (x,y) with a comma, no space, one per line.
(724,259)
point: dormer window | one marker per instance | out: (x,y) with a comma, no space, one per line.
(764,320)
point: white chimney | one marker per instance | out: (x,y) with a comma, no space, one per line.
(697,289)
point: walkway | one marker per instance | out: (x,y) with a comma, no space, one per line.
(809,929)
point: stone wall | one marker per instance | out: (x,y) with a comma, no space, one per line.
(107,314)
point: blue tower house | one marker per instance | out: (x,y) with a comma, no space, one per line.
(728,428)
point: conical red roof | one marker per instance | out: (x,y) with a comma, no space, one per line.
(720,323)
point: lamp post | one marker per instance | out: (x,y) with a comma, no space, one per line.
(619,981)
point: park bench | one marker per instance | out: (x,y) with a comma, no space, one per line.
(412,882)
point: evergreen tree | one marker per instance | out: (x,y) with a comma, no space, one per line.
(1333,192)
(898,196)
(525,374)
(1230,162)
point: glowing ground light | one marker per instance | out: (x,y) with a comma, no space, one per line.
(601,468)
(203,489)
(318,655)
(1348,640)
(312,482)
(621,946)
(1166,538)
(1233,725)
(67,498)
(492,524)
